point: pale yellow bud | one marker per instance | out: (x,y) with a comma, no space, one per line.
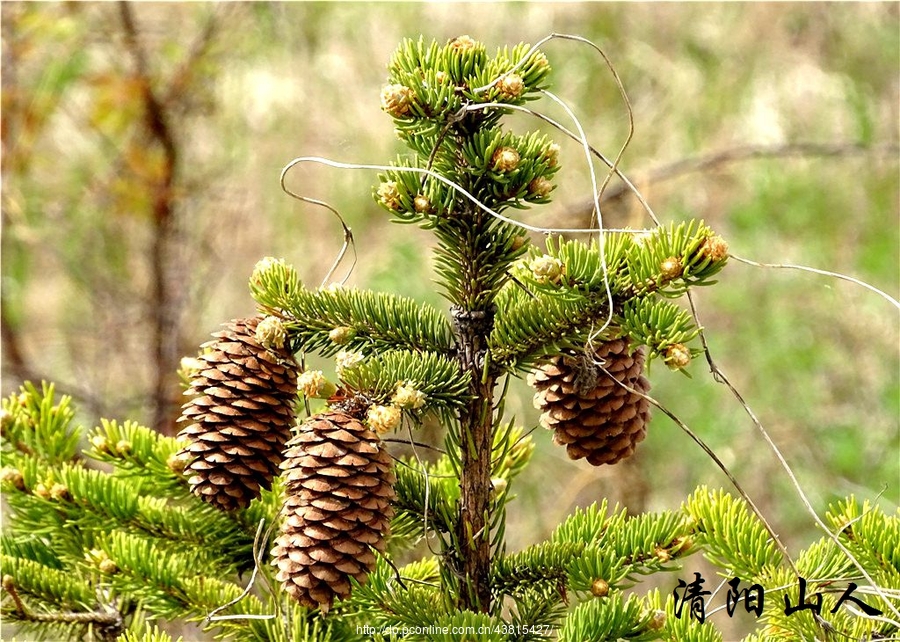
(677,356)
(511,86)
(408,397)
(551,155)
(383,418)
(547,269)
(100,443)
(498,486)
(505,159)
(463,43)
(670,268)
(389,195)
(346,359)
(540,187)
(177,462)
(641,237)
(271,333)
(397,100)
(265,265)
(13,476)
(540,60)
(190,366)
(657,621)
(59,492)
(421,204)
(600,587)
(342,334)
(108,566)
(715,248)
(313,383)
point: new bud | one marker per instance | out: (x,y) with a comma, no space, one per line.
(408,397)
(397,100)
(313,383)
(677,356)
(547,269)
(383,418)
(511,86)
(505,159)
(271,333)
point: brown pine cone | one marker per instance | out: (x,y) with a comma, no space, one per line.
(241,416)
(339,486)
(591,414)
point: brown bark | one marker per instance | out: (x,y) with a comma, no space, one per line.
(476,436)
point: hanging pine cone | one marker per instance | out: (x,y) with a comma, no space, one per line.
(241,415)
(591,414)
(338,482)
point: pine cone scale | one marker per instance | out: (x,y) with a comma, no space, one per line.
(239,417)
(591,414)
(338,482)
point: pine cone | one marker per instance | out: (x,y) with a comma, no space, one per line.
(241,413)
(591,414)
(338,481)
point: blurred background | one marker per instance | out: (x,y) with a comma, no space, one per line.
(142,145)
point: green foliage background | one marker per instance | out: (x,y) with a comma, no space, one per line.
(816,358)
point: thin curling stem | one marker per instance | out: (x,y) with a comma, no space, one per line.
(348,234)
(453,185)
(837,275)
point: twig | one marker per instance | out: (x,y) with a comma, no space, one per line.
(349,242)
(714,160)
(109,623)
(836,275)
(214,616)
(712,455)
(719,376)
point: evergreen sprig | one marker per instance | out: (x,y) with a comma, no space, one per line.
(559,297)
(731,535)
(529,327)
(32,423)
(611,618)
(136,450)
(327,320)
(430,83)
(672,258)
(658,324)
(434,375)
(434,505)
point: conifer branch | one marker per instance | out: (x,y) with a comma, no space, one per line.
(109,623)
(327,320)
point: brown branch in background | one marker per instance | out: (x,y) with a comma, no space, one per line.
(183,76)
(715,160)
(165,340)
(13,354)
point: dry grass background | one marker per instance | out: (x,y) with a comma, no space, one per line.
(817,359)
